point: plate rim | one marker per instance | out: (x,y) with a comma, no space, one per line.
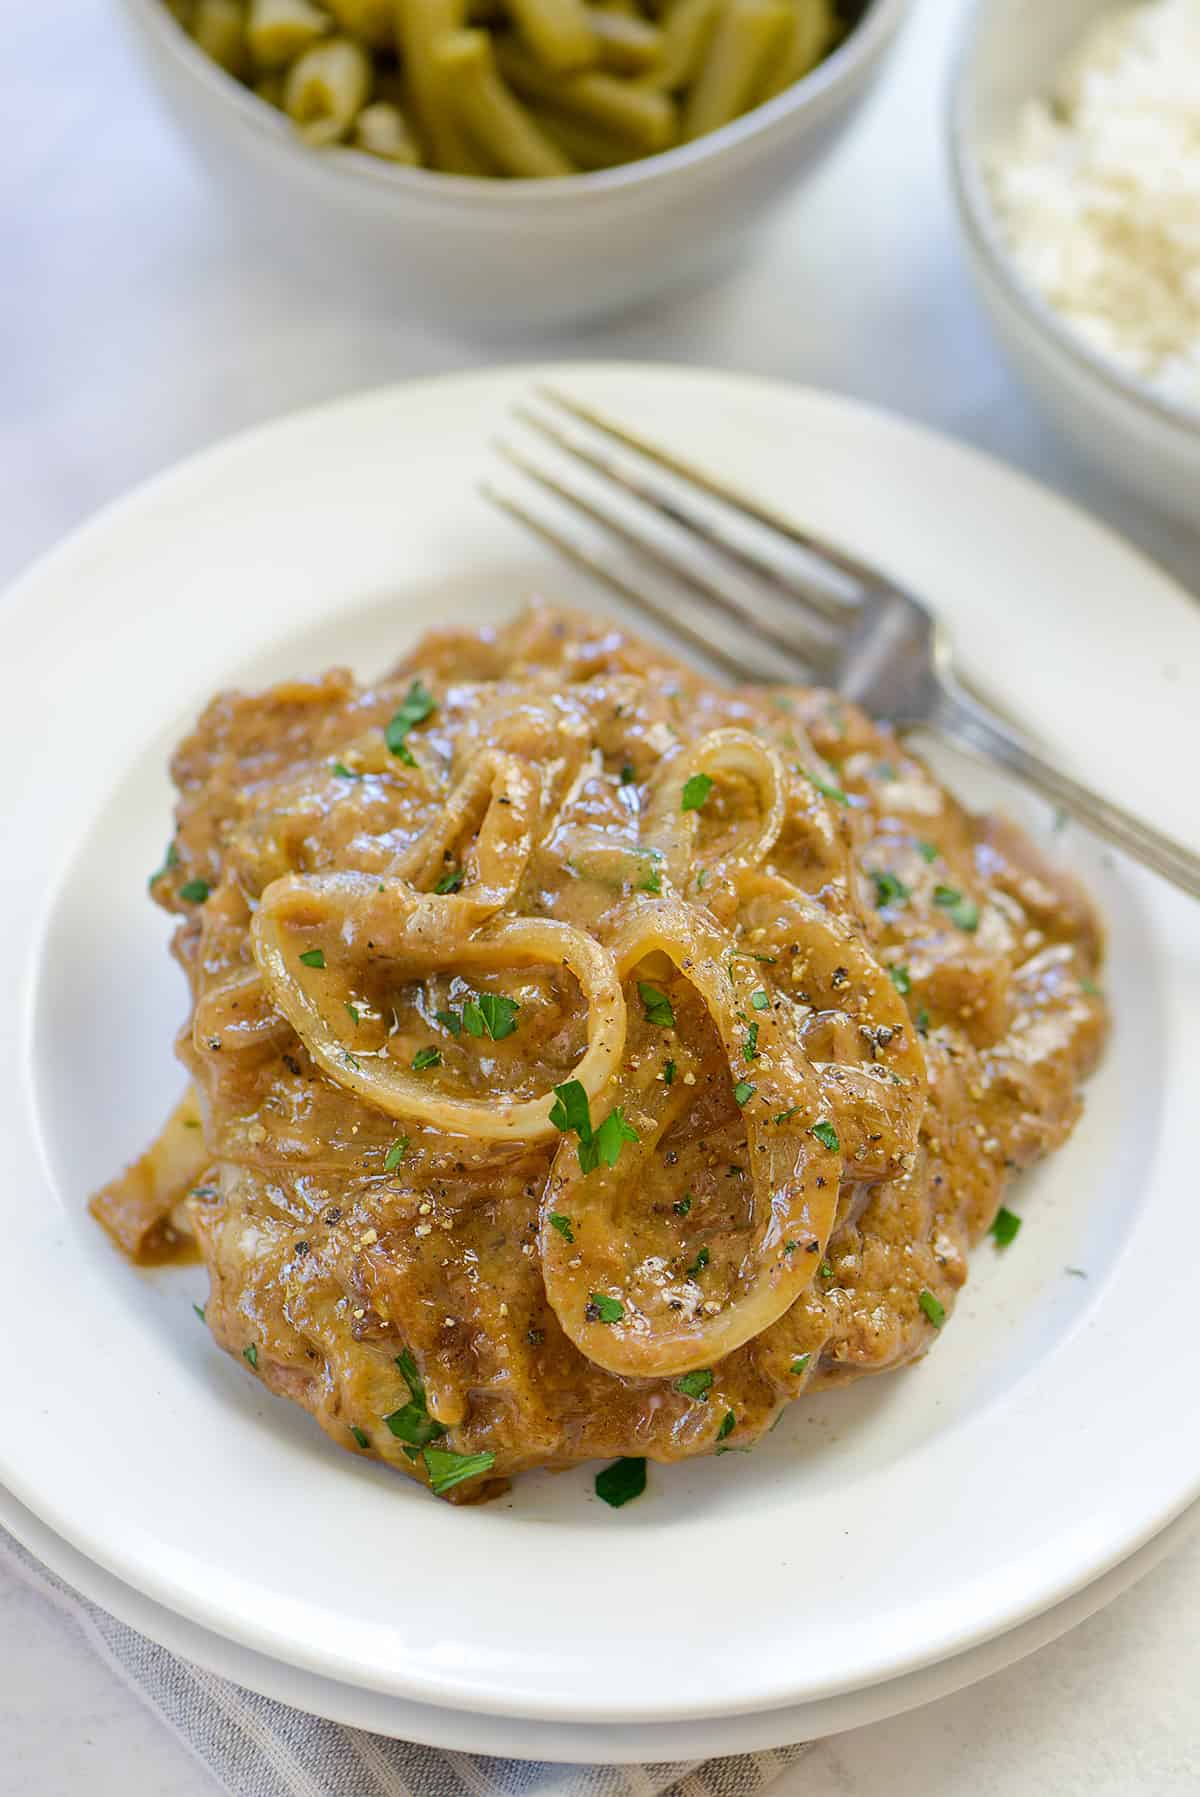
(755,1732)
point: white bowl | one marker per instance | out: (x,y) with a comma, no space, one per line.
(1012,52)
(500,254)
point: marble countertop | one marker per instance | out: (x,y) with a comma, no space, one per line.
(137,325)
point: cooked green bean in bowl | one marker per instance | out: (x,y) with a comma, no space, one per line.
(517,88)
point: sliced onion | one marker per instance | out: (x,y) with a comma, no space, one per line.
(786,1162)
(498,797)
(421,931)
(136,1208)
(722,753)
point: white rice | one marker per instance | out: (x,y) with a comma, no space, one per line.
(1100,193)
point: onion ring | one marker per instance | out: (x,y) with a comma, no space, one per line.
(794,1175)
(422,931)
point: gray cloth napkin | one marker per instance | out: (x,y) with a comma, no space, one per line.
(255,1747)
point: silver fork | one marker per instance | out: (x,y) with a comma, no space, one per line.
(767,600)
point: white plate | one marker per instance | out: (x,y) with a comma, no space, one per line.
(878,1531)
(579,1743)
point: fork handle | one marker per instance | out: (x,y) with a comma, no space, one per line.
(966,723)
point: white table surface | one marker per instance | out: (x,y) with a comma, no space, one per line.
(136,325)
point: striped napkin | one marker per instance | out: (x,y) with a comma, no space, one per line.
(255,1747)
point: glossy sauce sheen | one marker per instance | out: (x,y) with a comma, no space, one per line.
(826,926)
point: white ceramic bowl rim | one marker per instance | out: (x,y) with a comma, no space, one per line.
(863,44)
(986,234)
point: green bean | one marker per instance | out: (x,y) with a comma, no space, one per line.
(749,33)
(382,130)
(813,35)
(278,31)
(491,113)
(326,89)
(219,27)
(626,44)
(370,20)
(589,146)
(647,119)
(420,24)
(687,32)
(559,32)
(533,88)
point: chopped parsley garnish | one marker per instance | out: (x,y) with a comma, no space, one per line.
(446,1469)
(1005,1225)
(170,860)
(786,1116)
(359,1435)
(1090,987)
(928,851)
(450,881)
(563,1226)
(829,792)
(695,790)
(353,1010)
(621,1482)
(760,1001)
(412,1423)
(933,1308)
(395,1154)
(200,1312)
(728,1425)
(697,1385)
(426,1057)
(251,1354)
(889,890)
(698,1265)
(923,1021)
(962,911)
(825,1270)
(658,1007)
(652,882)
(900,980)
(743,1092)
(702,879)
(194,892)
(570,1112)
(313,957)
(606,1309)
(343,772)
(415,709)
(800,1362)
(668,1073)
(606,1146)
(449,1020)
(683,1205)
(827,1135)
(490,1014)
(627,775)
(750,1045)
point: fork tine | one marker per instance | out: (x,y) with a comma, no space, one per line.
(675,502)
(798,643)
(860,574)
(576,551)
